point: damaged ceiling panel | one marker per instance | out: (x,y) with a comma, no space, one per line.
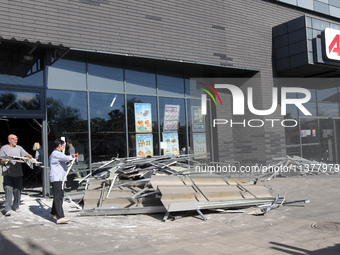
(167,185)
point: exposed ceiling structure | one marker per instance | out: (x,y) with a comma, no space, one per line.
(23,58)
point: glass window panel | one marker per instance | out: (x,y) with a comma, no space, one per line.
(187,86)
(181,119)
(199,130)
(327,140)
(107,112)
(67,74)
(67,111)
(67,117)
(106,146)
(292,133)
(107,119)
(131,100)
(15,100)
(310,106)
(140,81)
(327,95)
(36,79)
(194,87)
(293,151)
(170,85)
(321,7)
(328,109)
(291,112)
(306,4)
(308,84)
(311,152)
(105,78)
(312,94)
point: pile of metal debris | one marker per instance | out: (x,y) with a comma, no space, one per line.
(168,185)
(298,166)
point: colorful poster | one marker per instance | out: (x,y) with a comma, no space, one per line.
(171,148)
(305,133)
(198,123)
(324,133)
(144,145)
(143,118)
(200,145)
(171,118)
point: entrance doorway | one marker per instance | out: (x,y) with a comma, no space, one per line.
(28,131)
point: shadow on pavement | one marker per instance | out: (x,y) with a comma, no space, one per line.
(42,210)
(288,249)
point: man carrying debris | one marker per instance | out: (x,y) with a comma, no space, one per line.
(12,172)
(58,171)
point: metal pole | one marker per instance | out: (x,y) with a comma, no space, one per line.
(46,179)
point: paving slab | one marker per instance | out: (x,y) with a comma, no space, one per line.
(289,229)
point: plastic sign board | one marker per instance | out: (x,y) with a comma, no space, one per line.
(171,118)
(200,145)
(143,120)
(171,140)
(144,145)
(332,43)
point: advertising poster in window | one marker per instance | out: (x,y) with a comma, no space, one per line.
(171,147)
(171,118)
(198,123)
(200,145)
(144,145)
(143,118)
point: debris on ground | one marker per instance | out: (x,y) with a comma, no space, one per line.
(298,166)
(169,185)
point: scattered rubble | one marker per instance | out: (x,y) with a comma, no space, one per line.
(298,166)
(170,185)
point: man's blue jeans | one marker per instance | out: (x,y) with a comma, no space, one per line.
(12,187)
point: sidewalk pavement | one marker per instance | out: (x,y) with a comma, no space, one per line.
(312,229)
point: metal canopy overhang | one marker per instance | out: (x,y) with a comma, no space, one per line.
(311,71)
(23,58)
(191,69)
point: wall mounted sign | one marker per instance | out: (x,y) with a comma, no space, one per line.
(171,147)
(332,43)
(143,120)
(197,119)
(144,145)
(171,118)
(200,145)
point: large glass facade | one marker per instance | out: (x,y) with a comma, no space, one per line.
(67,74)
(67,118)
(107,124)
(95,104)
(316,136)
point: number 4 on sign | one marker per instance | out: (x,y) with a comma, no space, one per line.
(335,45)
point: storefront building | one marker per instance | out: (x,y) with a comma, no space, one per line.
(80,70)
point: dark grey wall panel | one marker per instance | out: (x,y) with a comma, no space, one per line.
(181,30)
